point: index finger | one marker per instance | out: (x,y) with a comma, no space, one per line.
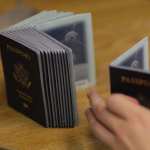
(122,105)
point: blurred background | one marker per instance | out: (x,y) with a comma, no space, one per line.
(11,11)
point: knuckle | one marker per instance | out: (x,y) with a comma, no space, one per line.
(119,129)
(122,133)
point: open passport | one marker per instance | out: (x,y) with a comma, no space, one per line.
(130,74)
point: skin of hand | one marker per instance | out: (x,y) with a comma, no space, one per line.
(120,122)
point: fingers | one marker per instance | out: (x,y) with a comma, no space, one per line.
(107,118)
(114,121)
(95,100)
(122,105)
(99,130)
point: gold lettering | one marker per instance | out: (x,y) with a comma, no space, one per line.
(135,81)
(24,96)
(19,52)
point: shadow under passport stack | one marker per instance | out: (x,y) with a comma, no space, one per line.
(130,74)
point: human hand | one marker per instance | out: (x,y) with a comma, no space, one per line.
(120,122)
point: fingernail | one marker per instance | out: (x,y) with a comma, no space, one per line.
(95,99)
(135,101)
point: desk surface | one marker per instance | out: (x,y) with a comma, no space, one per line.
(117,26)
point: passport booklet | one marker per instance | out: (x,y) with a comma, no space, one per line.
(130,74)
(39,77)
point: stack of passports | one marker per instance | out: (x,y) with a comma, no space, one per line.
(39,78)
